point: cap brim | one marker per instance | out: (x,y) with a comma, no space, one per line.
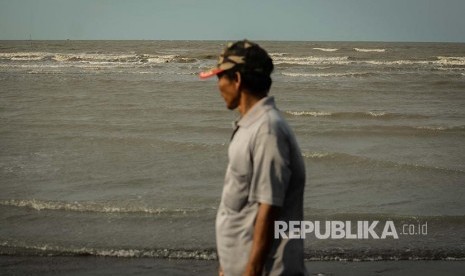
(210,73)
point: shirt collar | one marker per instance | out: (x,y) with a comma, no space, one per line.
(256,112)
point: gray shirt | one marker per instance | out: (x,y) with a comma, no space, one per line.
(265,166)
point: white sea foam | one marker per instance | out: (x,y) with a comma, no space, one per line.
(441,61)
(379,115)
(90,57)
(51,250)
(300,74)
(376,114)
(85,57)
(312,60)
(308,113)
(90,207)
(41,249)
(24,56)
(325,75)
(278,54)
(326,49)
(160,58)
(436,128)
(455,61)
(397,62)
(365,50)
(316,155)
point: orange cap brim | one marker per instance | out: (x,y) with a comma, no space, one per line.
(210,73)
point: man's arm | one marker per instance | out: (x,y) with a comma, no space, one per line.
(262,238)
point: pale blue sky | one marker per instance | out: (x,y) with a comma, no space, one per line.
(314,20)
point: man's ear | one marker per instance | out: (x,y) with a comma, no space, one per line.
(238,81)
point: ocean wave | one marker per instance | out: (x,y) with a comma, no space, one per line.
(434,128)
(96,207)
(365,50)
(454,61)
(440,61)
(114,58)
(425,129)
(326,49)
(337,156)
(451,69)
(349,158)
(312,60)
(437,62)
(397,62)
(309,113)
(358,115)
(24,56)
(391,130)
(326,75)
(13,248)
(279,58)
(278,54)
(95,58)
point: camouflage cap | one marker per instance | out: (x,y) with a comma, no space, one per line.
(233,55)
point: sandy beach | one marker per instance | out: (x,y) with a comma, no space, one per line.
(28,265)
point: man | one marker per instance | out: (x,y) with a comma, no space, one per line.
(265,177)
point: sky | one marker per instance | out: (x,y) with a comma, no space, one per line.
(303,20)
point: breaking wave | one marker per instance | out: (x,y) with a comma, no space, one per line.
(364,50)
(454,61)
(349,158)
(357,115)
(96,207)
(121,59)
(13,248)
(278,54)
(326,49)
(328,254)
(95,57)
(311,60)
(328,75)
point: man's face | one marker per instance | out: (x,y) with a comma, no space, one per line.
(229,91)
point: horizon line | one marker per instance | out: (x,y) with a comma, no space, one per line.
(262,40)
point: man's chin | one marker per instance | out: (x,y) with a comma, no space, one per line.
(232,106)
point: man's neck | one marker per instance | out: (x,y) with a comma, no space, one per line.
(247,101)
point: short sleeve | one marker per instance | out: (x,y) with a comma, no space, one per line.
(271,172)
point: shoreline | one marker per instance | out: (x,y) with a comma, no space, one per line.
(93,265)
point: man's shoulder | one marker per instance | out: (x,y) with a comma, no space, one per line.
(272,121)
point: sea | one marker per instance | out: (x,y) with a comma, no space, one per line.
(117,148)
